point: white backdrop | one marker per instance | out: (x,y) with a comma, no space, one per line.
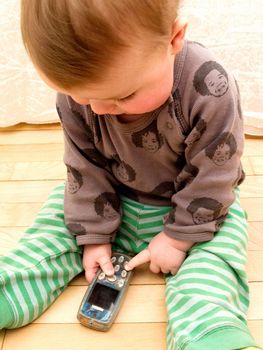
(233,29)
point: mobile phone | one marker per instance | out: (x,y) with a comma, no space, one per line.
(104,296)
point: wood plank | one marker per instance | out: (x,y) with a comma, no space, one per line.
(257,165)
(34,153)
(255,311)
(149,298)
(48,170)
(121,336)
(40,136)
(26,191)
(252,187)
(17,171)
(253,147)
(75,336)
(255,328)
(18,214)
(247,166)
(13,233)
(23,214)
(9,236)
(253,207)
(2,336)
(255,230)
(32,191)
(139,297)
(32,127)
(255,266)
(38,190)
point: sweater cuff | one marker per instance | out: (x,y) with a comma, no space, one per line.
(94,238)
(195,237)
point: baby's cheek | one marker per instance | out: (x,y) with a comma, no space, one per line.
(149,103)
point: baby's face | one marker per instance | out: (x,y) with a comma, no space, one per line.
(203,215)
(222,154)
(216,83)
(150,142)
(109,212)
(122,173)
(136,84)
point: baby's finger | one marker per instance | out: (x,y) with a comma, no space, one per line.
(90,273)
(139,259)
(164,270)
(174,271)
(155,268)
(106,265)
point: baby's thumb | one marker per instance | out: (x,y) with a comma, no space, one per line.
(106,265)
(90,273)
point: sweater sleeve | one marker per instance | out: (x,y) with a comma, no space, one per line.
(91,205)
(213,148)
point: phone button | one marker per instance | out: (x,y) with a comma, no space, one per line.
(121,259)
(101,276)
(117,268)
(113,259)
(112,278)
(124,273)
(121,283)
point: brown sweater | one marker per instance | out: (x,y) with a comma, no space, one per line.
(185,154)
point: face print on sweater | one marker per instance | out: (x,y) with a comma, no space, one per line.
(211,79)
(165,188)
(222,149)
(170,218)
(74,179)
(196,133)
(107,206)
(204,210)
(186,176)
(149,138)
(96,157)
(123,171)
(76,229)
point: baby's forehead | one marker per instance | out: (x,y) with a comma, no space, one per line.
(214,72)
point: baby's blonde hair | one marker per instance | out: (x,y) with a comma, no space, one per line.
(73,42)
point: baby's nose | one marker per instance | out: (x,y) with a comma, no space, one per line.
(81,101)
(102,106)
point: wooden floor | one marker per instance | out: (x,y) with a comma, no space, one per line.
(30,166)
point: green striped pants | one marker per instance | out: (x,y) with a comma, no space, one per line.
(206,301)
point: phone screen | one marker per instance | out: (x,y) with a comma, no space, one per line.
(103,296)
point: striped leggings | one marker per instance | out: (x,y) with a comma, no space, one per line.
(206,300)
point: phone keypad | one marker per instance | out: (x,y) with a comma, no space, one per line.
(119,263)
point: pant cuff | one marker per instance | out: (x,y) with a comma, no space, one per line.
(6,314)
(223,338)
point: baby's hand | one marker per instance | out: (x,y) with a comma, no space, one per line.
(164,254)
(95,256)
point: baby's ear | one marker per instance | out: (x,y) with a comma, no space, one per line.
(178,34)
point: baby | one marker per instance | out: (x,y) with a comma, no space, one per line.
(153,140)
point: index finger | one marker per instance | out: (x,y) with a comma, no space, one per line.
(139,259)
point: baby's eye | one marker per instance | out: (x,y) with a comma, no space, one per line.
(126,98)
